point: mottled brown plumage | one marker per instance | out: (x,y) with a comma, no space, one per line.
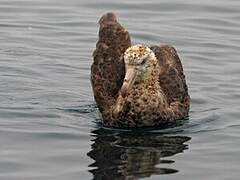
(134,86)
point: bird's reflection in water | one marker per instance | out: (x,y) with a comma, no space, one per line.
(133,154)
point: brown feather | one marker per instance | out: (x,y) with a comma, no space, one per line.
(107,71)
(161,99)
(171,78)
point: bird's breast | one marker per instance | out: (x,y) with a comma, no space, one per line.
(142,100)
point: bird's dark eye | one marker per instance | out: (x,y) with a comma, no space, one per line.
(143,61)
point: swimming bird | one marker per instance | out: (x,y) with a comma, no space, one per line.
(136,85)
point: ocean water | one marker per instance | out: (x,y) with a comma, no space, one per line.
(48,118)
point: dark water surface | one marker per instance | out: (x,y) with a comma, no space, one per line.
(48,117)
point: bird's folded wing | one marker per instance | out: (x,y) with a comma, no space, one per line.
(107,70)
(172,78)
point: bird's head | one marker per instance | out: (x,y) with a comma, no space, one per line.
(139,63)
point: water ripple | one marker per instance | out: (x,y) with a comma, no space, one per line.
(49,124)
